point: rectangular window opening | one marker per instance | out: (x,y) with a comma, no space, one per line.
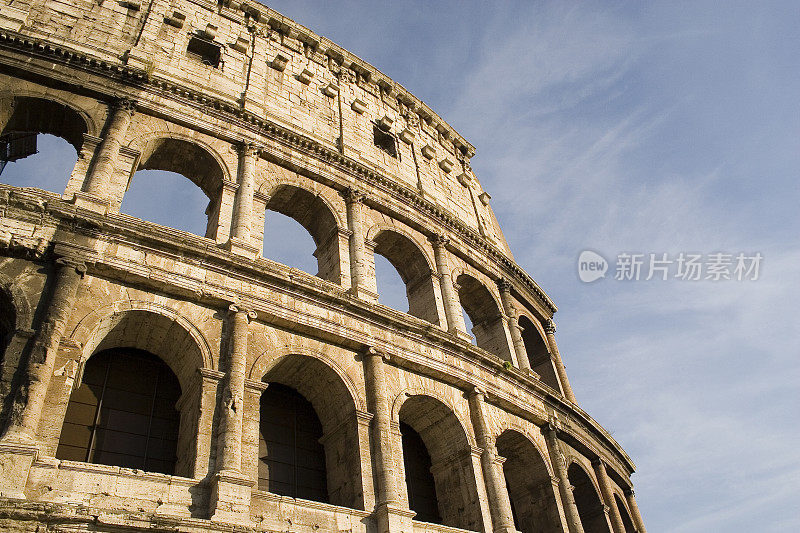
(208,52)
(385,141)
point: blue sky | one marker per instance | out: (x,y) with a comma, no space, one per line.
(630,127)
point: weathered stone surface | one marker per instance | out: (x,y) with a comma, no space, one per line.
(312,132)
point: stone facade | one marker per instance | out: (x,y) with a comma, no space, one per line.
(262,114)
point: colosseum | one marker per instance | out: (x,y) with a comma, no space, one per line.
(156,380)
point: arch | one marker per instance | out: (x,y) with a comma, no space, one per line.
(124,413)
(16,297)
(49,115)
(448,446)
(529,482)
(627,523)
(538,352)
(485,313)
(413,265)
(587,498)
(93,328)
(313,212)
(192,159)
(335,405)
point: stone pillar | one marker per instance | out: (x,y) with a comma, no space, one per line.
(636,516)
(68,275)
(98,180)
(358,261)
(243,211)
(389,516)
(230,498)
(550,331)
(496,490)
(513,325)
(608,495)
(564,486)
(452,305)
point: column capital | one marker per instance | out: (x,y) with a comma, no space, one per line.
(549,326)
(504,285)
(629,492)
(124,104)
(440,240)
(238,308)
(599,463)
(352,195)
(72,262)
(478,392)
(371,351)
(245,148)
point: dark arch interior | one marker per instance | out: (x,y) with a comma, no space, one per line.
(174,197)
(443,437)
(530,488)
(623,511)
(538,353)
(8,321)
(291,458)
(330,400)
(485,315)
(316,217)
(419,479)
(123,413)
(414,270)
(590,507)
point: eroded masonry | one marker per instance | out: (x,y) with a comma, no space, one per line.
(157,380)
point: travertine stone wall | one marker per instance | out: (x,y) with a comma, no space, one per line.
(286,121)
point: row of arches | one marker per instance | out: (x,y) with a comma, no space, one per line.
(404,271)
(128,407)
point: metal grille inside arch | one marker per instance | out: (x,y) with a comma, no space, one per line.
(123,413)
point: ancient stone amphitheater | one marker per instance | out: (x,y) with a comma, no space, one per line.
(157,380)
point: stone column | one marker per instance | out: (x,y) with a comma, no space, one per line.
(389,516)
(636,516)
(452,305)
(230,499)
(243,210)
(608,495)
(358,261)
(550,331)
(513,325)
(496,490)
(68,275)
(98,180)
(564,486)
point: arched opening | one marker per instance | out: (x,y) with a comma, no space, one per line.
(123,413)
(149,336)
(39,144)
(590,507)
(316,217)
(414,270)
(530,487)
(538,353)
(291,458)
(309,434)
(442,437)
(159,193)
(288,243)
(623,512)
(485,316)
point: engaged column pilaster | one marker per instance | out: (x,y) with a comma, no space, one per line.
(513,325)
(354,199)
(608,496)
(97,185)
(634,508)
(564,486)
(230,498)
(550,332)
(240,241)
(452,305)
(496,490)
